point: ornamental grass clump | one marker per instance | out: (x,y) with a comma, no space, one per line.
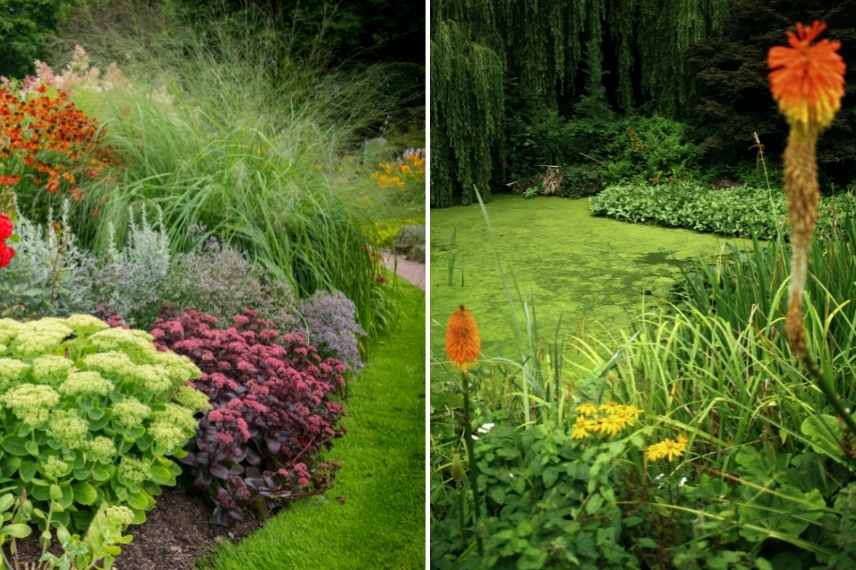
(90,416)
(274,411)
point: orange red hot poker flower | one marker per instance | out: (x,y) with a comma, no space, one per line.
(463,343)
(807,82)
(807,78)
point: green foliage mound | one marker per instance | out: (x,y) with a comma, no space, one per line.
(739,211)
(90,415)
(27,26)
(597,148)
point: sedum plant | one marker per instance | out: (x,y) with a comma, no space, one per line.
(273,411)
(90,415)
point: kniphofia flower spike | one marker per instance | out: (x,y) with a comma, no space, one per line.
(807,82)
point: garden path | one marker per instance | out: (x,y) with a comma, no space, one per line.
(412,271)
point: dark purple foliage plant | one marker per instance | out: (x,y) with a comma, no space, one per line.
(274,409)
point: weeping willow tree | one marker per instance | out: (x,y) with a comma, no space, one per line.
(466,115)
(495,58)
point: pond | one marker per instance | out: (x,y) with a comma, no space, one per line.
(593,273)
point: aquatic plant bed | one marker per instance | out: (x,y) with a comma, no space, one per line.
(741,211)
(592,272)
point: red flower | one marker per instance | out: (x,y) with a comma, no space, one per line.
(6,252)
(5,227)
(6,255)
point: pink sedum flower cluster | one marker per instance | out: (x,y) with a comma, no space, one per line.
(274,410)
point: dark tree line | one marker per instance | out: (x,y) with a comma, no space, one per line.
(503,69)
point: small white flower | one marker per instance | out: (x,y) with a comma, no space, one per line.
(474,436)
(486,427)
(682,482)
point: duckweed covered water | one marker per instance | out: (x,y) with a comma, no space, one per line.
(594,273)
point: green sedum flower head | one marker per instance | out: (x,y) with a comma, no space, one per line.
(55,468)
(88,383)
(68,428)
(101,449)
(119,516)
(31,403)
(51,369)
(94,408)
(130,412)
(191,398)
(85,325)
(134,471)
(12,371)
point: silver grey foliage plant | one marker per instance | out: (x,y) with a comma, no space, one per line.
(130,279)
(50,273)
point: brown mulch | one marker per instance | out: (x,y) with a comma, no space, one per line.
(177,532)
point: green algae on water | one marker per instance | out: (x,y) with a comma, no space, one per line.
(593,273)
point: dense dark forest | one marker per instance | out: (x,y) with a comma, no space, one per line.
(609,90)
(347,32)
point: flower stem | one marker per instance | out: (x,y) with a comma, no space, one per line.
(473,471)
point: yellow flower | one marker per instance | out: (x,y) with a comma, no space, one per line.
(608,419)
(582,428)
(669,449)
(609,425)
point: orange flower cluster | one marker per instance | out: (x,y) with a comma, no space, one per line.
(410,169)
(807,79)
(46,140)
(463,342)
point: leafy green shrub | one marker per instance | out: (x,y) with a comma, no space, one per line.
(577,521)
(90,415)
(738,211)
(29,25)
(605,147)
(579,181)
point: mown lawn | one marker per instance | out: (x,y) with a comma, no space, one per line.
(379,520)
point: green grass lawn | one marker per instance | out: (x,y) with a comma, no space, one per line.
(379,523)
